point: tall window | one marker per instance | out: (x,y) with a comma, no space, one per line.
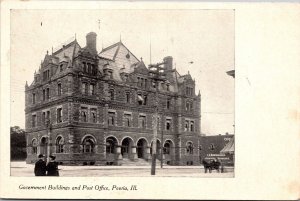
(142,121)
(94,70)
(111,118)
(48,115)
(44,118)
(34,146)
(92,89)
(140,99)
(212,146)
(146,81)
(94,115)
(167,148)
(84,88)
(89,68)
(84,114)
(127,97)
(44,94)
(110,146)
(46,75)
(34,120)
(145,99)
(59,145)
(33,98)
(59,115)
(48,93)
(187,106)
(84,67)
(88,145)
(186,126)
(61,67)
(192,126)
(189,148)
(127,120)
(168,124)
(168,104)
(111,94)
(168,87)
(59,90)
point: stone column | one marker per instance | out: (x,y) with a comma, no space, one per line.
(118,153)
(133,153)
(148,155)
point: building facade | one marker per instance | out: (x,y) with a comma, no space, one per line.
(95,108)
(211,148)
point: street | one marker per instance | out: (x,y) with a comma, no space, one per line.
(23,169)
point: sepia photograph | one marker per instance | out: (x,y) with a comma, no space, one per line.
(101,93)
(149,100)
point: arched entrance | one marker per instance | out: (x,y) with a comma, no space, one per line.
(126,148)
(168,152)
(111,144)
(142,148)
(43,145)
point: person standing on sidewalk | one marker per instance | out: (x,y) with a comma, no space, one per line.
(52,167)
(40,166)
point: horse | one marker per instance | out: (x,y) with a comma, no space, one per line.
(213,165)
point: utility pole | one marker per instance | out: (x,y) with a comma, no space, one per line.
(162,149)
(157,74)
(49,127)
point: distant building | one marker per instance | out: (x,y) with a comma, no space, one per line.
(101,106)
(211,147)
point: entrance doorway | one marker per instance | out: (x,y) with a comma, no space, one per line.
(141,148)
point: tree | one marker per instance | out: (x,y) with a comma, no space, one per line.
(17,143)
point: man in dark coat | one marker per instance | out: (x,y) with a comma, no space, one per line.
(52,167)
(40,166)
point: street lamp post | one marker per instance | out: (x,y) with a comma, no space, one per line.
(158,74)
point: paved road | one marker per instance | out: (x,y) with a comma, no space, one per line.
(22,169)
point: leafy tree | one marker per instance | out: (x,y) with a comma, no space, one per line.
(17,143)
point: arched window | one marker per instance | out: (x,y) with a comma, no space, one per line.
(88,145)
(59,145)
(212,146)
(110,146)
(189,148)
(192,126)
(34,146)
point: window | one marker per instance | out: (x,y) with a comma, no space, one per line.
(44,118)
(61,67)
(189,148)
(192,126)
(146,81)
(145,99)
(111,118)
(34,146)
(94,70)
(168,87)
(127,120)
(127,97)
(168,103)
(46,75)
(59,145)
(138,81)
(153,84)
(84,67)
(140,99)
(167,148)
(142,82)
(92,89)
(59,90)
(48,93)
(94,115)
(186,126)
(59,115)
(110,146)
(88,145)
(47,116)
(168,124)
(111,94)
(142,121)
(187,106)
(44,94)
(89,68)
(34,120)
(212,146)
(33,98)
(84,88)
(200,147)
(83,114)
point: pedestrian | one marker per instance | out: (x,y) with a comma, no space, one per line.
(40,166)
(52,167)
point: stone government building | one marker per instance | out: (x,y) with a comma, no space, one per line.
(101,106)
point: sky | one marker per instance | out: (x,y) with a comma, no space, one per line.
(205,37)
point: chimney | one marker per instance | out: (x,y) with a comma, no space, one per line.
(168,63)
(91,40)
